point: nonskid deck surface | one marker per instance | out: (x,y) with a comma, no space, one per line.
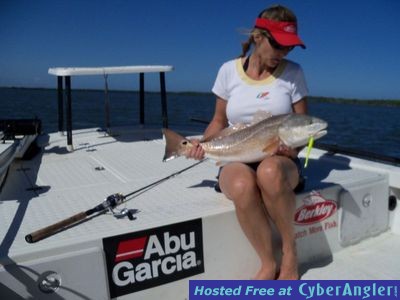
(373,259)
(58,184)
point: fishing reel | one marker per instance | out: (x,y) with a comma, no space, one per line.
(122,213)
(115,199)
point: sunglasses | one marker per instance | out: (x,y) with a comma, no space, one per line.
(274,44)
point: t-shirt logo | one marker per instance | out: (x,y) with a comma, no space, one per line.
(263,95)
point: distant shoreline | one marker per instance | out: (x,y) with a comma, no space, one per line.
(314,99)
(381,102)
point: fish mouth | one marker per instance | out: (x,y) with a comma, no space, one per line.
(318,124)
(318,127)
(319,134)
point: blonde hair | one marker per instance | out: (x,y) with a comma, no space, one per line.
(276,13)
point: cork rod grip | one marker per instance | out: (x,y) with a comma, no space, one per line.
(46,231)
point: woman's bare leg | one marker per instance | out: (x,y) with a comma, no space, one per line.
(238,183)
(277,176)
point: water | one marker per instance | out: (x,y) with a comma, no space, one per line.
(372,128)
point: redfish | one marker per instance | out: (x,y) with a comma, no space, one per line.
(251,143)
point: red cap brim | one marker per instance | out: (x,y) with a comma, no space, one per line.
(285,39)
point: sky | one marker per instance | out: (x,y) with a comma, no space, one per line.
(352,46)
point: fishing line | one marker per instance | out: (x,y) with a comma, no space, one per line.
(163,179)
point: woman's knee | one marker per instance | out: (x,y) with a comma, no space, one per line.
(239,187)
(271,176)
(270,170)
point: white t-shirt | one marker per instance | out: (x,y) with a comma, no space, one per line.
(246,96)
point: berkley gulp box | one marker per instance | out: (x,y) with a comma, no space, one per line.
(340,215)
(316,224)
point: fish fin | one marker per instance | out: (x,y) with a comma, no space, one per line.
(272,146)
(260,115)
(237,127)
(174,144)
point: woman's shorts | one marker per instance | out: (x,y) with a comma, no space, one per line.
(300,186)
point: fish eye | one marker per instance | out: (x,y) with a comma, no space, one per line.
(184,143)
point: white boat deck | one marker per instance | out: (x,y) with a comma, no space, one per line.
(61,183)
(373,259)
(58,184)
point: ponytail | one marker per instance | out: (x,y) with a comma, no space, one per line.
(246,46)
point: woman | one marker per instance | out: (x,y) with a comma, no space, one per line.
(263,80)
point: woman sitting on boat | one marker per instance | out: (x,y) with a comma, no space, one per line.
(263,80)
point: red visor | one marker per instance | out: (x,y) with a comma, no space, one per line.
(285,33)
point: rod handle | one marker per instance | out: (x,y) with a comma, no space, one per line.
(46,231)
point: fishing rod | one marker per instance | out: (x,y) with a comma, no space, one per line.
(108,204)
(334,148)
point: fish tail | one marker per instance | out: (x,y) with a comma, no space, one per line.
(175,144)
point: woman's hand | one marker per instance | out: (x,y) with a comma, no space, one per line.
(287,151)
(196,152)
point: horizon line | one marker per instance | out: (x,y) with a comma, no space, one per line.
(311,97)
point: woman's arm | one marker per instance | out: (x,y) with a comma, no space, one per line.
(300,107)
(218,122)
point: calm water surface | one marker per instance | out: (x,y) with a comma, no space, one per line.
(370,128)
